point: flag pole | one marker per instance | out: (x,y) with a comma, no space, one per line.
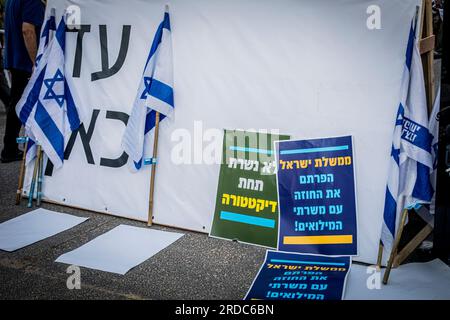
(395,247)
(380,255)
(152,178)
(33,180)
(21,175)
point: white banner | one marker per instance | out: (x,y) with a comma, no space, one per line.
(305,68)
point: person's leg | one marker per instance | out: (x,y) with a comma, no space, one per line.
(5,92)
(19,80)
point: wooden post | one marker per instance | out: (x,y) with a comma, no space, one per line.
(395,247)
(427,45)
(412,245)
(21,175)
(380,255)
(152,178)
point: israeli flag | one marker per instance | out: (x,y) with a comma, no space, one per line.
(46,35)
(409,174)
(155,94)
(47,108)
(434,130)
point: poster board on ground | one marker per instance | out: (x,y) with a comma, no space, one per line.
(291,276)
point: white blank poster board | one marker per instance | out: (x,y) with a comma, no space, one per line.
(304,67)
(120,249)
(34,226)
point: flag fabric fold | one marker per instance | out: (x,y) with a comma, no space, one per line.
(434,131)
(47,108)
(411,160)
(155,94)
(46,35)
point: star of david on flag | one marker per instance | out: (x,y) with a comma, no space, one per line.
(48,107)
(155,94)
(55,83)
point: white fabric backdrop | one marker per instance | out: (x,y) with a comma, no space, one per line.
(308,68)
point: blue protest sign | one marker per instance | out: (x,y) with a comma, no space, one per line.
(316,194)
(293,276)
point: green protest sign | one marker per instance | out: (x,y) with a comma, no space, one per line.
(247,202)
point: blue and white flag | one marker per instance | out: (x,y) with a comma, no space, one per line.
(434,131)
(409,174)
(155,94)
(46,35)
(48,106)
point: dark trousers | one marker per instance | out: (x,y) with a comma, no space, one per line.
(4,89)
(5,92)
(19,80)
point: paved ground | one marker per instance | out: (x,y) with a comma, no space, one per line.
(195,267)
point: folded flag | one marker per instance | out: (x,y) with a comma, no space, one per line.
(47,108)
(434,131)
(410,163)
(155,94)
(47,34)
